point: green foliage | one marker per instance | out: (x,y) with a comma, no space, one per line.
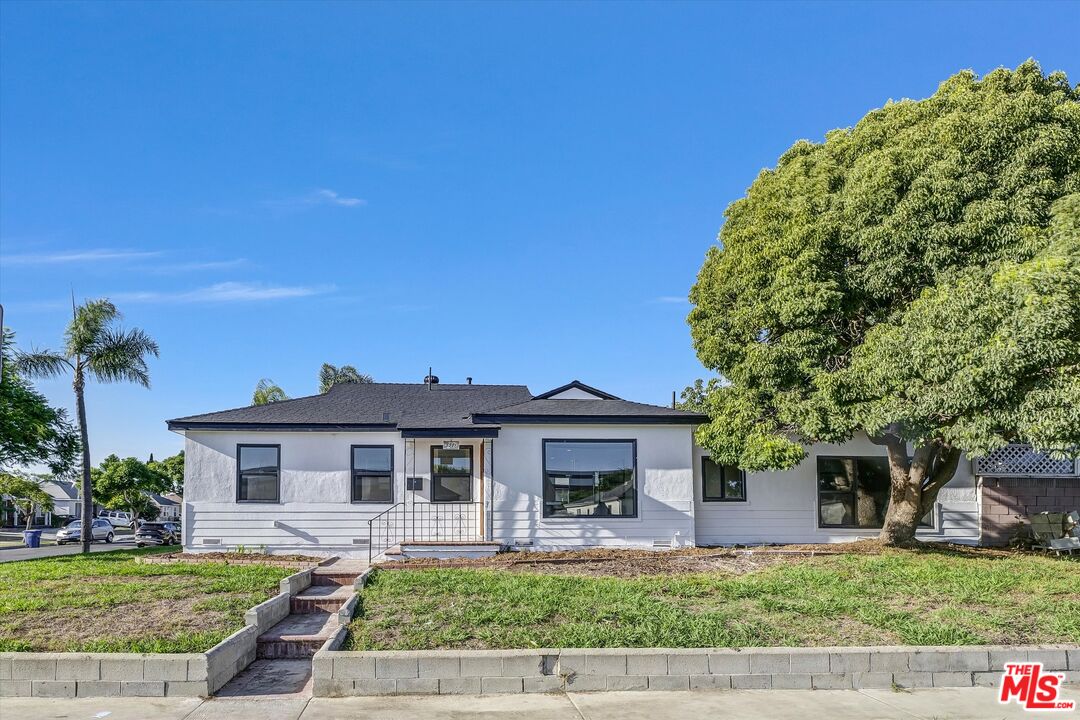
(25,494)
(917,275)
(31,431)
(172,469)
(267,392)
(123,484)
(926,597)
(329,376)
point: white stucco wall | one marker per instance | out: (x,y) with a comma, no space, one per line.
(315,512)
(781,507)
(664,477)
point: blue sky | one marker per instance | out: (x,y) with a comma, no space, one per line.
(521,193)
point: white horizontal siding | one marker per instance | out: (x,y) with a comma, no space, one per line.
(781,507)
(664,479)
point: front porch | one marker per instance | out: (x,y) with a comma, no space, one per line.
(446,490)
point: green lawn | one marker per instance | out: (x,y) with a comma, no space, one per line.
(107,602)
(896,598)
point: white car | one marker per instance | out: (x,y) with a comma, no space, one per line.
(117,518)
(100,529)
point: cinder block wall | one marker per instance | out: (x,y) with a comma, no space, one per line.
(1005,501)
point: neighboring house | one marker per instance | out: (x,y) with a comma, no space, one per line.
(66,503)
(366,467)
(168,505)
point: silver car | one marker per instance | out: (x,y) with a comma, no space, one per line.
(99,530)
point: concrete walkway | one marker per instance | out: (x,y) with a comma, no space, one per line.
(955,704)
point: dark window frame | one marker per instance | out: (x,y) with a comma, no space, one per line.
(705,497)
(932,525)
(436,478)
(240,473)
(544,513)
(368,473)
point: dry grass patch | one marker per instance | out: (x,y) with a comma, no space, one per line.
(109,602)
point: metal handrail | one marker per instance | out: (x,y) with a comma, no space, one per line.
(423,522)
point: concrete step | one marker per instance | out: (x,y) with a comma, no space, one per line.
(321,598)
(297,636)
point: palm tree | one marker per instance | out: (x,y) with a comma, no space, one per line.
(267,392)
(329,376)
(94,348)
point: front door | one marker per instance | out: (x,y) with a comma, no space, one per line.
(451,474)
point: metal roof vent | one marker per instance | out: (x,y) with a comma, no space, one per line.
(431,380)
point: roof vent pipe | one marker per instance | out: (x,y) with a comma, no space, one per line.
(468,381)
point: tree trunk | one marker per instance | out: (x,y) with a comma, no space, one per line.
(29,517)
(914,487)
(87,534)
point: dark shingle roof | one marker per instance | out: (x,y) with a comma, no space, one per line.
(618,411)
(416,406)
(393,405)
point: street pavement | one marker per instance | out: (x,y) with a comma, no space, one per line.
(124,540)
(941,703)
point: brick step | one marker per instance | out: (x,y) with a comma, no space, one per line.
(326,578)
(321,598)
(296,636)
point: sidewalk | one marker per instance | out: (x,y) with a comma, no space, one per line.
(955,704)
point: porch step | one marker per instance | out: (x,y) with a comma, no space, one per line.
(446,550)
(321,598)
(297,636)
(328,577)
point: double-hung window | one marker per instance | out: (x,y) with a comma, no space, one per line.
(722,483)
(590,478)
(372,473)
(258,473)
(451,474)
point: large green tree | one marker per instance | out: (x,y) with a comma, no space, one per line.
(172,468)
(330,375)
(915,277)
(25,494)
(31,431)
(94,348)
(124,484)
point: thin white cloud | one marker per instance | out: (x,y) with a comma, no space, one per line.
(319,197)
(672,299)
(196,266)
(331,197)
(226,292)
(77,256)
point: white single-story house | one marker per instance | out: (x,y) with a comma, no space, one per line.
(366,468)
(168,505)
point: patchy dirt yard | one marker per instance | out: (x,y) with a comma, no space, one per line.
(109,602)
(808,596)
(634,563)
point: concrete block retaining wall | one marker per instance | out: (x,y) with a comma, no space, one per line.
(447,672)
(149,674)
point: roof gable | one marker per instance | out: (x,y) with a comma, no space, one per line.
(576,390)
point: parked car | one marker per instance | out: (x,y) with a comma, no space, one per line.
(117,518)
(100,529)
(157,533)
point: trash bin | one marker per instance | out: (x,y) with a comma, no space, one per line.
(32,538)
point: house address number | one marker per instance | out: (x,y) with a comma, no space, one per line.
(450,445)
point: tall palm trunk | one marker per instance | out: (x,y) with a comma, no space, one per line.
(87,533)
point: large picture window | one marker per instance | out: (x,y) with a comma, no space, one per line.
(590,478)
(451,474)
(258,473)
(722,483)
(373,473)
(853,492)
